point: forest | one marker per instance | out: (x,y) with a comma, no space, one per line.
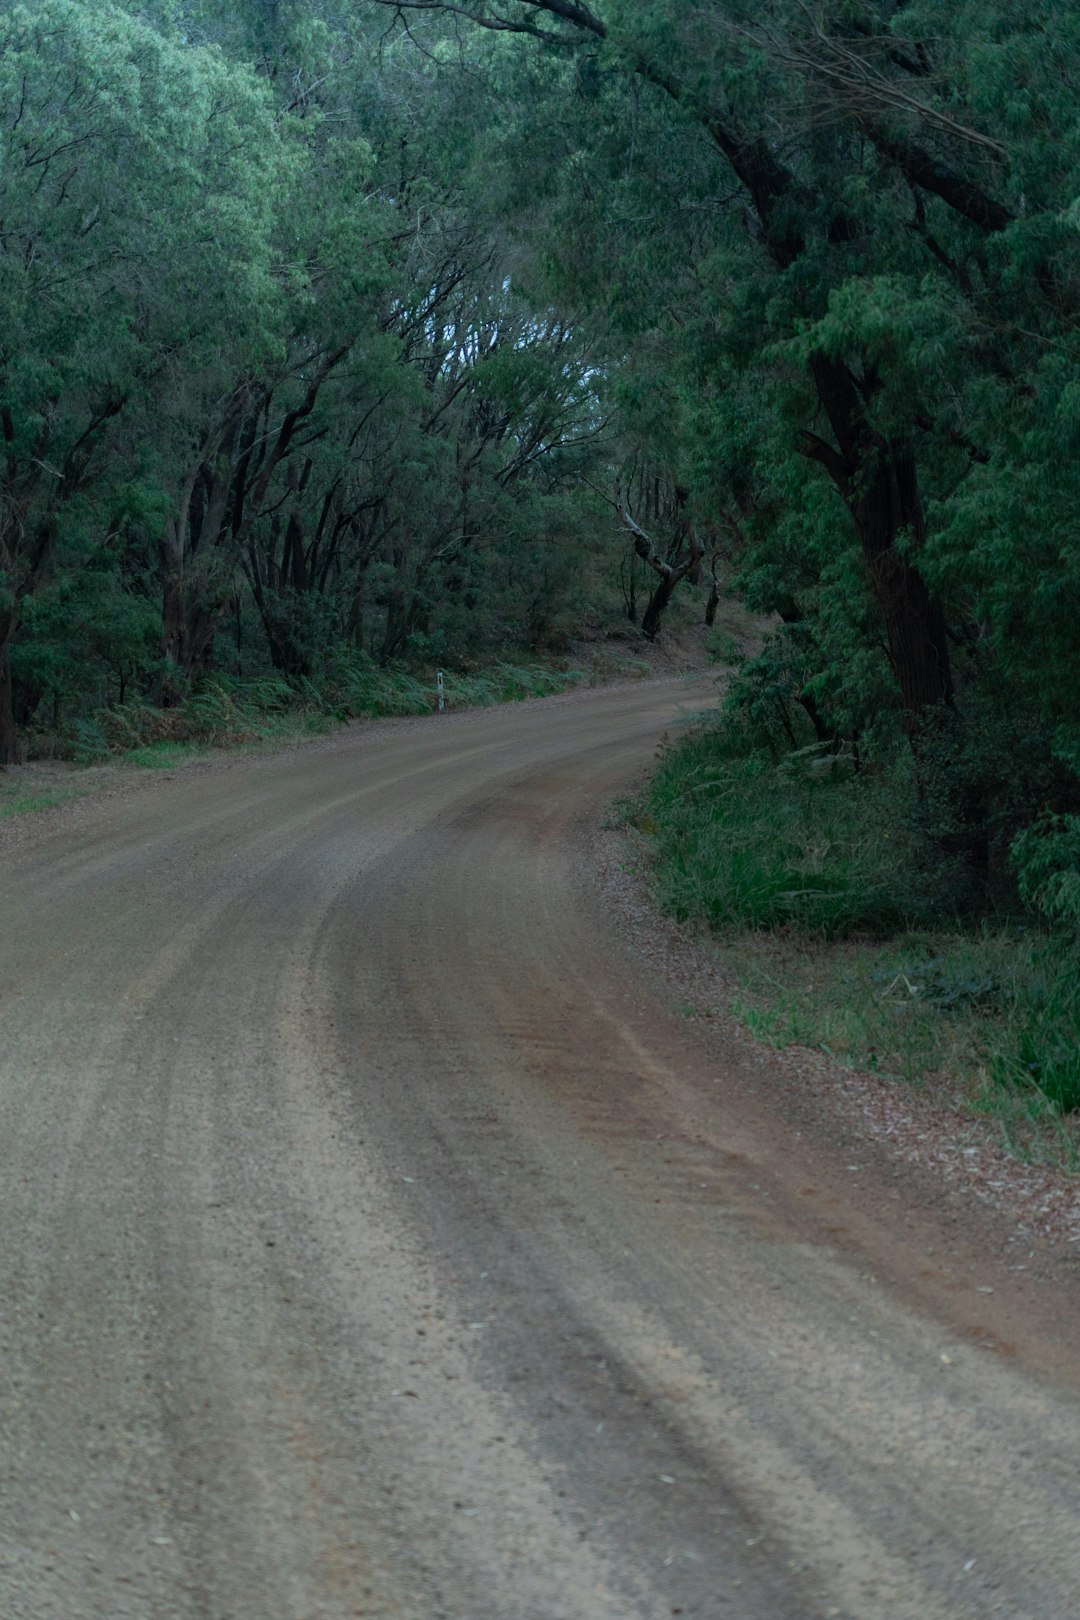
(341,337)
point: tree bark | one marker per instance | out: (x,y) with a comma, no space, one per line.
(658,601)
(878,480)
(188,631)
(9,749)
(670,573)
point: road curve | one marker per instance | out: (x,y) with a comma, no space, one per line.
(377,1243)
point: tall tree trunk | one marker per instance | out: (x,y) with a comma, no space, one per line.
(878,479)
(669,575)
(824,734)
(914,622)
(879,482)
(356,610)
(9,748)
(188,631)
(628,581)
(658,601)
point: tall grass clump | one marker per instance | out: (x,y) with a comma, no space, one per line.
(746,842)
(363,688)
(221,712)
(1046,1053)
(508,683)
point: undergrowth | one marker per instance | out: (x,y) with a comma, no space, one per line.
(224,712)
(841,929)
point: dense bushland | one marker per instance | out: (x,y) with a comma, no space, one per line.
(271,401)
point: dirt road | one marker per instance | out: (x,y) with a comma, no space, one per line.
(377,1242)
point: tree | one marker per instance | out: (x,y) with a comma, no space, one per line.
(890,255)
(134,182)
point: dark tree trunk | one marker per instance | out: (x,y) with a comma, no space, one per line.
(396,627)
(878,479)
(658,601)
(669,574)
(188,631)
(879,482)
(628,580)
(357,608)
(824,734)
(914,622)
(295,554)
(27,697)
(287,653)
(9,748)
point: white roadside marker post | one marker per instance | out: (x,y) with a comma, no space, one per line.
(442,694)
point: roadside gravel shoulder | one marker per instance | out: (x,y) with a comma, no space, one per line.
(958,1159)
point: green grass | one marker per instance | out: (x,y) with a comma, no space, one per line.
(164,754)
(362,689)
(159,756)
(962,1030)
(747,844)
(24,802)
(839,932)
(911,1007)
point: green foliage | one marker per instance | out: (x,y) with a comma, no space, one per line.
(85,639)
(815,877)
(744,843)
(26,802)
(265,358)
(854,1001)
(1045,1056)
(364,689)
(1047,861)
(224,712)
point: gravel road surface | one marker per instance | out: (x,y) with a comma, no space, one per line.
(378,1241)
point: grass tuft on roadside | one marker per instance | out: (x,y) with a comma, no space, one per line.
(20,801)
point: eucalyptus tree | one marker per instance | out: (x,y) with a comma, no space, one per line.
(456,395)
(135,181)
(889,265)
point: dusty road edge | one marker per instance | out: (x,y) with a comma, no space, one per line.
(954,1175)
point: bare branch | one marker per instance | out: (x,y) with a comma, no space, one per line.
(852,70)
(579,17)
(646,547)
(644,544)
